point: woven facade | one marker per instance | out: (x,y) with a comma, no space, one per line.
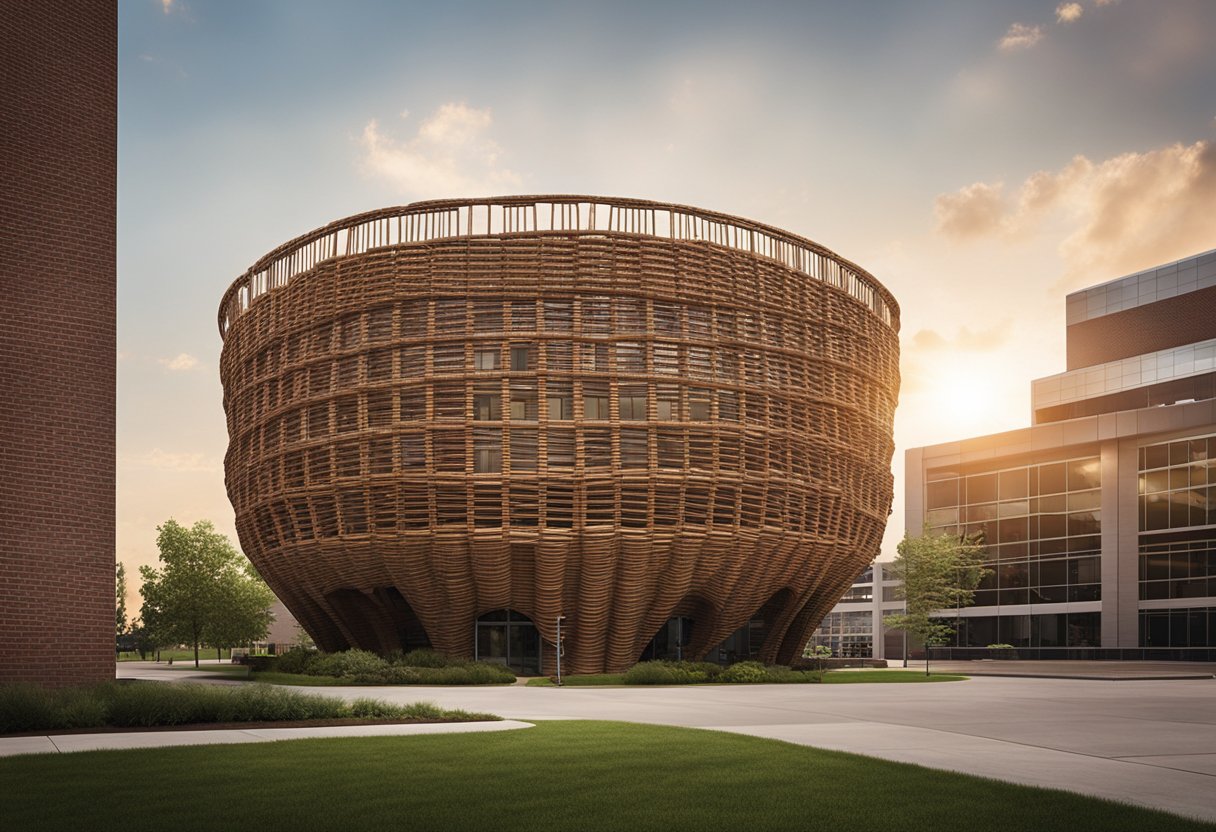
(616,411)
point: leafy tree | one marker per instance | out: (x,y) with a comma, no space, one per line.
(245,602)
(936,572)
(120,599)
(204,592)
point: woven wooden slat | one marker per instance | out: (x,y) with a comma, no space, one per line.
(611,410)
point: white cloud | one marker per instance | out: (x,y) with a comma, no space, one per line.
(179,363)
(452,154)
(1068,12)
(973,211)
(170,461)
(167,5)
(1020,36)
(1112,217)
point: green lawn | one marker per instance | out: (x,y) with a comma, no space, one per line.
(560,775)
(849,677)
(176,655)
(841,677)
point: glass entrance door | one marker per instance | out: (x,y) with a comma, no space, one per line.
(509,638)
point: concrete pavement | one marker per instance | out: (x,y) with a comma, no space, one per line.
(66,743)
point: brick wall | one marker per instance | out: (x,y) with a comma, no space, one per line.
(58,93)
(1179,320)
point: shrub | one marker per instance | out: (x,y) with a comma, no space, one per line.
(145,704)
(670,673)
(745,673)
(295,660)
(27,708)
(350,664)
(424,658)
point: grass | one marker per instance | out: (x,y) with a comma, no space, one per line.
(177,656)
(226,669)
(848,677)
(841,677)
(27,708)
(559,775)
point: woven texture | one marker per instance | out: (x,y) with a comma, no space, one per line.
(618,421)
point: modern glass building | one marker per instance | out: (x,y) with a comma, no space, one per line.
(1100,520)
(453,423)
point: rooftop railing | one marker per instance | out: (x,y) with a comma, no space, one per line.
(529,215)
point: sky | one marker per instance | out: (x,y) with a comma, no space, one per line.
(982,160)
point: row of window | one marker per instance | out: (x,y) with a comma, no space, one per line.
(1074,629)
(448,451)
(585,316)
(776,372)
(949,491)
(420,506)
(1045,581)
(1178,569)
(1194,627)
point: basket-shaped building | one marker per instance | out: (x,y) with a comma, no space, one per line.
(453,423)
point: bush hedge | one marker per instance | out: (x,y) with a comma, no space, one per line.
(417,667)
(148,704)
(691,673)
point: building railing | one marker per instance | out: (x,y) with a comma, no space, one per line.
(1114,654)
(531,215)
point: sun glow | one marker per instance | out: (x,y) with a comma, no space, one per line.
(961,394)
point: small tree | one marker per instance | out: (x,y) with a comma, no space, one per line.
(245,600)
(936,572)
(203,583)
(120,599)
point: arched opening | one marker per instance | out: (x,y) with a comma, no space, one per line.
(380,619)
(510,638)
(748,641)
(671,642)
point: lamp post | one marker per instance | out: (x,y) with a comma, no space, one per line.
(559,649)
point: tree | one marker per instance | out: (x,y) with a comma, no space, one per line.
(936,572)
(204,592)
(246,604)
(120,599)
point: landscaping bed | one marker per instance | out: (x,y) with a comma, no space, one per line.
(707,673)
(360,667)
(28,709)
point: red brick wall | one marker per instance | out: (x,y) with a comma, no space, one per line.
(58,94)
(1161,325)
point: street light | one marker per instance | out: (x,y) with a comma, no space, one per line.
(560,649)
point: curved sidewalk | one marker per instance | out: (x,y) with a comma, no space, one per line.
(66,743)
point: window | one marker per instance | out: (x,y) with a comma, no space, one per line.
(522,358)
(559,396)
(595,401)
(487,359)
(487,407)
(633,404)
(487,452)
(699,404)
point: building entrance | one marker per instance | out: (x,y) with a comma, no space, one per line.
(509,638)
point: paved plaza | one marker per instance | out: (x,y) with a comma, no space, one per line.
(1144,740)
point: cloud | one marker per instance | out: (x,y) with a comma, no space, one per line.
(179,363)
(167,5)
(976,340)
(170,461)
(1068,12)
(1115,216)
(451,154)
(1019,37)
(973,211)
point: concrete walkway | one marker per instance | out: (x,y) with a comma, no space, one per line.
(66,743)
(1147,741)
